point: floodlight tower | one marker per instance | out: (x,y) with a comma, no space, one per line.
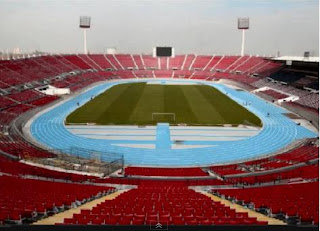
(243,24)
(85,24)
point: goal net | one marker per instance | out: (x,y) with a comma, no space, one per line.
(163,117)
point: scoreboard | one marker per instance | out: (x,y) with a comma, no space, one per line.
(164,51)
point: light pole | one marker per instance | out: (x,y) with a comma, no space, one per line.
(243,24)
(85,22)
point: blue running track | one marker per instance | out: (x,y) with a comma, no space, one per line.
(278,131)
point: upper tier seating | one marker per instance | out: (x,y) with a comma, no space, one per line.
(138,61)
(213,62)
(114,61)
(226,62)
(101,61)
(163,74)
(150,62)
(200,62)
(249,64)
(9,78)
(176,62)
(89,61)
(266,68)
(187,62)
(163,63)
(26,96)
(242,59)
(15,72)
(126,61)
(6,102)
(77,61)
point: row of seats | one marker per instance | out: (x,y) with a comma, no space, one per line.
(15,72)
(175,172)
(189,182)
(228,169)
(293,200)
(306,98)
(167,204)
(300,173)
(25,199)
(16,168)
(275,94)
(298,155)
(12,103)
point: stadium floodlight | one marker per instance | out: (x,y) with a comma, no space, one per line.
(243,24)
(85,23)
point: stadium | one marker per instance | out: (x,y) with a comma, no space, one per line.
(159,141)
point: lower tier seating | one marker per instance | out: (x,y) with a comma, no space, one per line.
(298,155)
(26,199)
(17,168)
(228,169)
(305,172)
(188,182)
(275,94)
(176,172)
(306,98)
(293,200)
(17,146)
(168,204)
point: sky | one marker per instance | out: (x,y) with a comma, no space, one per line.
(290,27)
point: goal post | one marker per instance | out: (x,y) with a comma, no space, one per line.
(163,117)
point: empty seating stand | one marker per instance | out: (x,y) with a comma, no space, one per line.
(296,156)
(227,170)
(294,200)
(24,200)
(275,94)
(306,98)
(14,167)
(168,204)
(152,201)
(174,172)
(15,72)
(300,173)
(150,181)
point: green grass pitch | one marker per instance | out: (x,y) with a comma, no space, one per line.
(134,103)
